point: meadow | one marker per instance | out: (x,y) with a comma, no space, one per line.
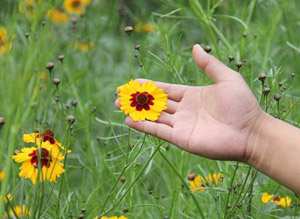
(61,63)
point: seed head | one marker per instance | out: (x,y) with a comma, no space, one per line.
(207,49)
(71,119)
(137,46)
(74,103)
(191,176)
(61,58)
(122,179)
(230,58)
(239,65)
(277,97)
(56,81)
(2,121)
(293,75)
(266,91)
(27,35)
(128,29)
(50,66)
(262,77)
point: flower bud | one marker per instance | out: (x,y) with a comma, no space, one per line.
(50,66)
(191,176)
(128,29)
(56,81)
(2,121)
(71,119)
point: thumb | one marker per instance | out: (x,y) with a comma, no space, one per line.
(212,67)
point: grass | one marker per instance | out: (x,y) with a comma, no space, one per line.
(115,170)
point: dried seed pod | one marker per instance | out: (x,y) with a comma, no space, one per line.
(262,77)
(230,58)
(61,58)
(128,29)
(239,65)
(137,46)
(56,81)
(191,176)
(74,103)
(71,119)
(2,121)
(207,49)
(122,179)
(50,66)
(266,91)
(277,97)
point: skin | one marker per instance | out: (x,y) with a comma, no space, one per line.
(224,121)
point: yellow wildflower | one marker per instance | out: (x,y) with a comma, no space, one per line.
(43,163)
(214,178)
(266,197)
(58,16)
(142,101)
(144,27)
(84,46)
(76,6)
(5,43)
(196,184)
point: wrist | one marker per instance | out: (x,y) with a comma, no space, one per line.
(258,140)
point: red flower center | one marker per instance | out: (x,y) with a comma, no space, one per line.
(76,3)
(141,101)
(1,41)
(40,155)
(48,135)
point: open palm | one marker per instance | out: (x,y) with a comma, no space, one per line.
(214,121)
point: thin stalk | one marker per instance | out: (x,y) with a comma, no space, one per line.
(184,183)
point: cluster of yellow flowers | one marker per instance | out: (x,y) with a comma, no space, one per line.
(5,42)
(42,162)
(198,183)
(283,202)
(56,15)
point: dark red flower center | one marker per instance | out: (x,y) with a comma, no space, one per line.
(141,101)
(48,135)
(40,156)
(1,42)
(76,3)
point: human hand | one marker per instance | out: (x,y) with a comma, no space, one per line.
(215,121)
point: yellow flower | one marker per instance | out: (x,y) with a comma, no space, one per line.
(142,101)
(57,16)
(28,7)
(84,46)
(2,175)
(214,178)
(144,27)
(43,162)
(76,6)
(39,138)
(19,211)
(266,197)
(196,184)
(283,202)
(5,43)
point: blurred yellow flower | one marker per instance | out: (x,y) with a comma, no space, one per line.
(58,16)
(19,211)
(28,7)
(214,178)
(43,163)
(266,197)
(5,43)
(196,184)
(142,101)
(2,175)
(76,6)
(283,202)
(144,27)
(84,46)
